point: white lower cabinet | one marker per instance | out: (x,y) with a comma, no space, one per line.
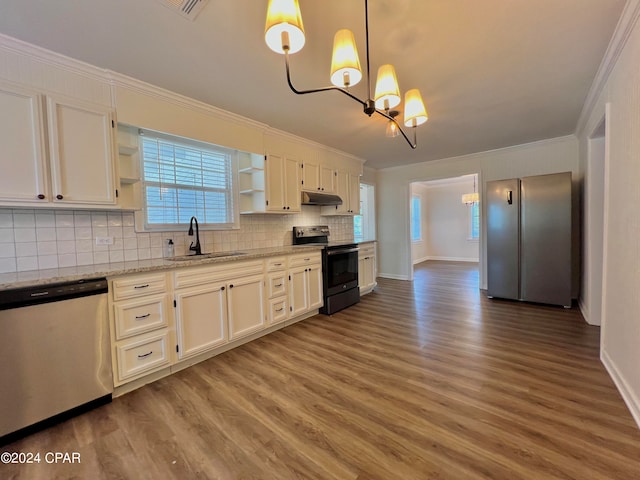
(142,356)
(277,290)
(246,306)
(367,268)
(218,304)
(201,318)
(213,306)
(142,331)
(305,284)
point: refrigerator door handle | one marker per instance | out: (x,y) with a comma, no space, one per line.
(510,197)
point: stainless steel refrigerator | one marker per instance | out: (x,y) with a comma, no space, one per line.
(529,242)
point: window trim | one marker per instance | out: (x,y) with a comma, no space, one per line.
(367,212)
(199,145)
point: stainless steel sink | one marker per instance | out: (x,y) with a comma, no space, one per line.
(186,258)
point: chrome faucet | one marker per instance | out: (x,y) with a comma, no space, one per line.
(196,248)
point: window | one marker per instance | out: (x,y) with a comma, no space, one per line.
(416,218)
(182,178)
(364,226)
(474,221)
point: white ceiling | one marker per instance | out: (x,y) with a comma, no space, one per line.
(493,73)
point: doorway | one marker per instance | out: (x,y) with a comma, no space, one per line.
(442,227)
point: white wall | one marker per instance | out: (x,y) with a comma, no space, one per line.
(448,222)
(617,95)
(547,156)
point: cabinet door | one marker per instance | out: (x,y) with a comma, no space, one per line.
(298,291)
(361,267)
(314,285)
(327,179)
(368,274)
(201,319)
(81,151)
(311,176)
(22,160)
(342,189)
(354,194)
(245,299)
(292,184)
(274,183)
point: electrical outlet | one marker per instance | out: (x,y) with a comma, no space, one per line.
(104,240)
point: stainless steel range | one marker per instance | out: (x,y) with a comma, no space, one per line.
(339,267)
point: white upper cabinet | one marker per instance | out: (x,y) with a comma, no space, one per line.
(81,149)
(22,153)
(317,176)
(282,184)
(348,189)
(79,168)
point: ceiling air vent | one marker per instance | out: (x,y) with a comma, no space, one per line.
(187,8)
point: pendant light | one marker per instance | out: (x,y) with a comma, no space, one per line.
(471,198)
(284,34)
(392,127)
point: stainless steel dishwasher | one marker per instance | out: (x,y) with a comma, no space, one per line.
(54,354)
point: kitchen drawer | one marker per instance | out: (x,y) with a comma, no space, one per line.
(277,284)
(138,286)
(278,310)
(141,356)
(192,276)
(367,250)
(302,259)
(276,264)
(136,316)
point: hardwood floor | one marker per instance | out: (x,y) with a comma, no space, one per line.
(420,380)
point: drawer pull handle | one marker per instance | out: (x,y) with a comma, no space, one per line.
(145,355)
(278,286)
(277,264)
(279,309)
(307,259)
(141,286)
(139,317)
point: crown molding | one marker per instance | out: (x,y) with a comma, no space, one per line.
(138,86)
(48,57)
(621,34)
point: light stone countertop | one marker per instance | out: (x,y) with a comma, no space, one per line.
(55,275)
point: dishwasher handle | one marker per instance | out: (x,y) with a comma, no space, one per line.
(54,292)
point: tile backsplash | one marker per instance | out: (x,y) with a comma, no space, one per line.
(43,239)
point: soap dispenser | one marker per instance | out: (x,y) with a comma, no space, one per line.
(168,248)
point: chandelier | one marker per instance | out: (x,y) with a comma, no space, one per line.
(284,34)
(471,198)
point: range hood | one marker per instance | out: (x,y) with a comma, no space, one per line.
(317,198)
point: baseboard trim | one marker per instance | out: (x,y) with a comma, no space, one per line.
(627,394)
(420,260)
(584,310)
(453,259)
(393,276)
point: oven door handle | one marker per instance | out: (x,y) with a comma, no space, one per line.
(346,250)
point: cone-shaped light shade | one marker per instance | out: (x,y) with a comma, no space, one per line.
(392,129)
(387,91)
(345,64)
(284,25)
(414,111)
